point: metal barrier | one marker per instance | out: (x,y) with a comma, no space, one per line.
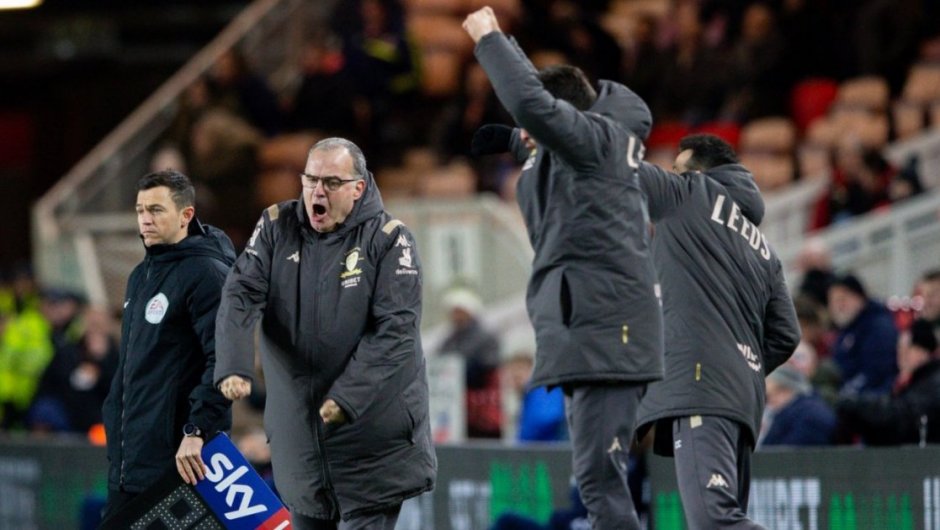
(888,249)
(80,226)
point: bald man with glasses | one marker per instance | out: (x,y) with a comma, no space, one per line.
(335,282)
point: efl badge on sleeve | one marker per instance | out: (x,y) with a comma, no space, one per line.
(232,496)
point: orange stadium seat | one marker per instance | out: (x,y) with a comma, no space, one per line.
(868,92)
(771,135)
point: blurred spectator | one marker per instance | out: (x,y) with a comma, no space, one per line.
(643,62)
(235,87)
(906,183)
(815,262)
(912,413)
(224,166)
(814,328)
(571,28)
(322,102)
(795,415)
(930,291)
(380,62)
(76,381)
(480,350)
(759,79)
(689,58)
(864,349)
(26,348)
(474,106)
(889,34)
(542,411)
(859,184)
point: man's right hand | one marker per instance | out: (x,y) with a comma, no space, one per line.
(235,387)
(480,23)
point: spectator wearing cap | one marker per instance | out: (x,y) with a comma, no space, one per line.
(864,350)
(480,350)
(795,414)
(912,413)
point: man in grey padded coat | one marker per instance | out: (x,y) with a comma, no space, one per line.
(591,296)
(336,284)
(729,321)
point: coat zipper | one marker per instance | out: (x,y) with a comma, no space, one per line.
(130,341)
(318,424)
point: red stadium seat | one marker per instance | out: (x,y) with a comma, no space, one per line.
(810,99)
(666,135)
(726,130)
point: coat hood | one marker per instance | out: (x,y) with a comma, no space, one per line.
(624,106)
(201,240)
(367,207)
(741,186)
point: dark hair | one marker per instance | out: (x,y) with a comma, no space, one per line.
(570,84)
(931,275)
(181,189)
(708,151)
(359,159)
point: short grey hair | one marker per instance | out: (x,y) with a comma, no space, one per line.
(330,144)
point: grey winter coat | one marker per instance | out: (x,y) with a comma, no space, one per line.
(728,315)
(339,315)
(591,296)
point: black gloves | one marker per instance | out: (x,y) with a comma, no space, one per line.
(491,139)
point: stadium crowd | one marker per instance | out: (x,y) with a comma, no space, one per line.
(802,89)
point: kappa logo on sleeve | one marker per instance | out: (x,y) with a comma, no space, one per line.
(406,263)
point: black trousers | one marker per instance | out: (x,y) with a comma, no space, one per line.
(601,422)
(374,521)
(116,501)
(713,468)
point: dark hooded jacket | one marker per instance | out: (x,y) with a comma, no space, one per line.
(340,315)
(164,373)
(728,315)
(591,296)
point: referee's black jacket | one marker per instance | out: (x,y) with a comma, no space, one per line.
(729,319)
(164,373)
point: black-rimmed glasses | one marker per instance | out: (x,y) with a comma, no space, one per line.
(329,183)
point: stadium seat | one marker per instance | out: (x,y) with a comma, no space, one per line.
(439,32)
(923,83)
(868,92)
(871,128)
(771,171)
(443,7)
(770,135)
(810,99)
(908,117)
(726,130)
(666,135)
(441,72)
(813,160)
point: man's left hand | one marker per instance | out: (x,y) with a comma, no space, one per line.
(189,460)
(481,22)
(331,413)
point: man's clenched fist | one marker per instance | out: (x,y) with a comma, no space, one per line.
(481,22)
